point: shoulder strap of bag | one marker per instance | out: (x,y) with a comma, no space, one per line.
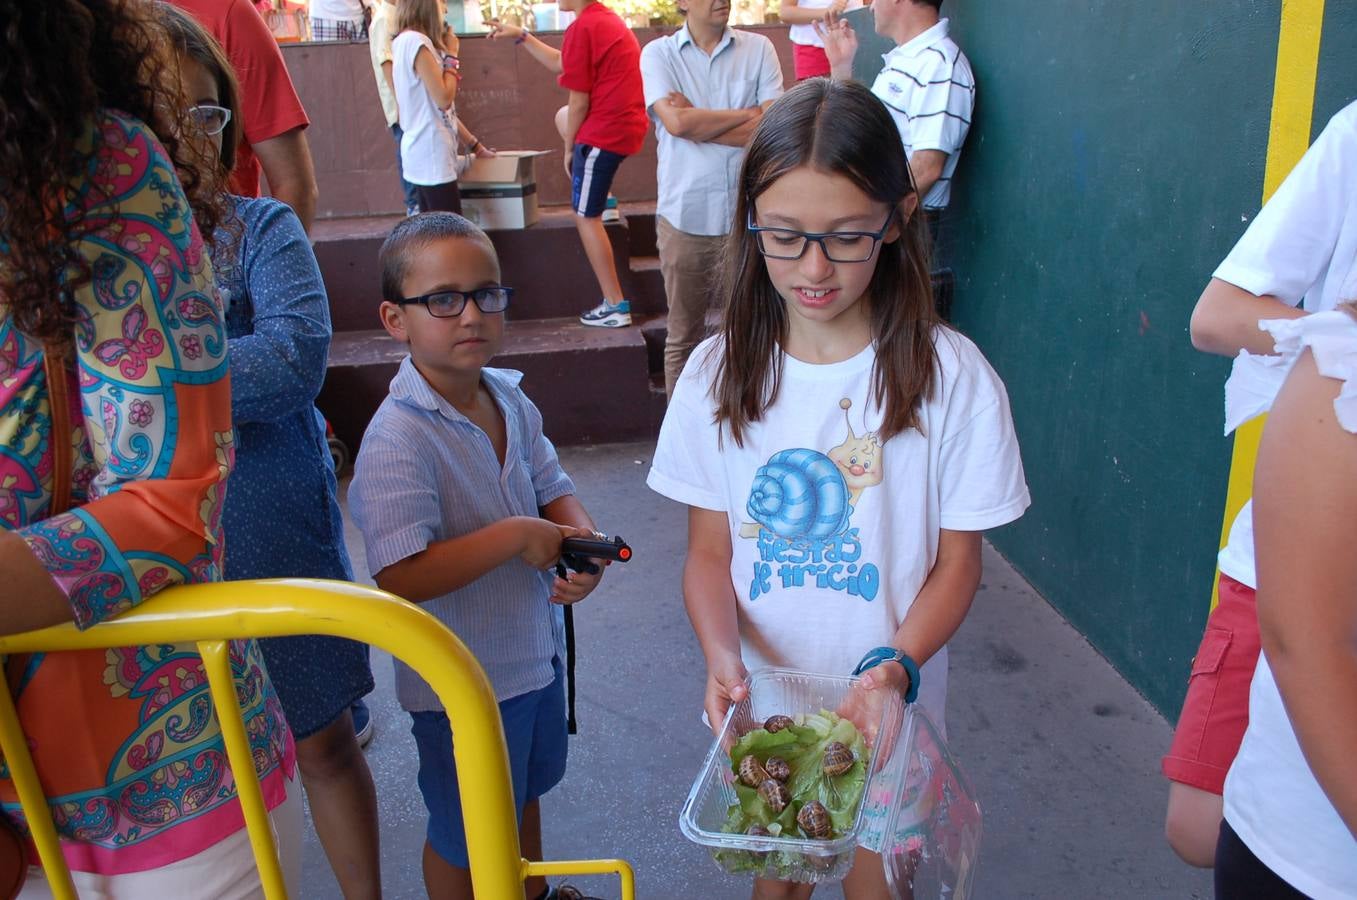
(59,439)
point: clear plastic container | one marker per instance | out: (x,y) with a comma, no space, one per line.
(783,692)
(933,829)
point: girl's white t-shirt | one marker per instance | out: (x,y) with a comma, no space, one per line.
(832,532)
(429,135)
(805,34)
(1302,244)
(1272,799)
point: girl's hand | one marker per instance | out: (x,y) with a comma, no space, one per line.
(837,7)
(867,699)
(451,42)
(577,585)
(484,152)
(725,687)
(500,29)
(887,675)
(841,42)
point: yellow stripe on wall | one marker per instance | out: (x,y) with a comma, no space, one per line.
(1293,103)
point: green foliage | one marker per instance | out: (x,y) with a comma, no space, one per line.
(637,13)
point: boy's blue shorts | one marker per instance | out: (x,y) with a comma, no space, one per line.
(535,730)
(591,177)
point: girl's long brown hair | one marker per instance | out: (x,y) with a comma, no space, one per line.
(833,127)
(421,16)
(61,63)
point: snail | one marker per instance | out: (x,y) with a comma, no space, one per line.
(566,892)
(774,724)
(752,772)
(838,759)
(800,493)
(777,768)
(814,821)
(757,830)
(775,795)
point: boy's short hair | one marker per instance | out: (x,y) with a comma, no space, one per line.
(414,234)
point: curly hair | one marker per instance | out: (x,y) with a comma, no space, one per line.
(61,62)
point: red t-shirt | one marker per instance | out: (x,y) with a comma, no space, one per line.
(269,105)
(600,56)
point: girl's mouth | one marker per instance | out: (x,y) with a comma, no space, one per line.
(816,297)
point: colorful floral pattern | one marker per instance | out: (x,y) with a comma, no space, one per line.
(146,782)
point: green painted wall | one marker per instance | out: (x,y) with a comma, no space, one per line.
(1116,153)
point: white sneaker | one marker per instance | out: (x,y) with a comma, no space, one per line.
(610,212)
(607,315)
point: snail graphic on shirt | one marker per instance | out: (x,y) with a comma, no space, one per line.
(805,494)
(802,503)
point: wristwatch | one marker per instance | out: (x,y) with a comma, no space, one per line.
(880,655)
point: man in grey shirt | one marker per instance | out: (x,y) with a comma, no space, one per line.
(706,87)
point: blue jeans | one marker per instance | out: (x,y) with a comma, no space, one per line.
(411,200)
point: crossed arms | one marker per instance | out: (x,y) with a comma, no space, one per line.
(730,127)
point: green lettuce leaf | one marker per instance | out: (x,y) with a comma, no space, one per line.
(802,745)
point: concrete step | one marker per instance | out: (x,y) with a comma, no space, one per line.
(544,263)
(647,285)
(654,332)
(641,228)
(592,384)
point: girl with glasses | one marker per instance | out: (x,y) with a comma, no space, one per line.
(282,516)
(840,449)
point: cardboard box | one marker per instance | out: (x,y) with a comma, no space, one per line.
(506,167)
(501,191)
(500,206)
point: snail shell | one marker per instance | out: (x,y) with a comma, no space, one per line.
(800,493)
(838,759)
(777,768)
(774,724)
(566,892)
(814,821)
(757,830)
(775,795)
(752,772)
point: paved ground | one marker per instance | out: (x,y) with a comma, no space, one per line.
(1062,752)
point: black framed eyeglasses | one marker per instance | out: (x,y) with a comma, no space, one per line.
(837,246)
(449,304)
(211,119)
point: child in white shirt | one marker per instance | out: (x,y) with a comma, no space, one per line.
(840,450)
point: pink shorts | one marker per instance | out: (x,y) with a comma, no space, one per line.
(809,61)
(1216,711)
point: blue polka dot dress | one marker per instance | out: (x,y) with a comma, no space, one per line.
(282,516)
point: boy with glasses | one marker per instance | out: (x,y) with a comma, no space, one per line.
(463,505)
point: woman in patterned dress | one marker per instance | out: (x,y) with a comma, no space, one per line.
(282,515)
(105,286)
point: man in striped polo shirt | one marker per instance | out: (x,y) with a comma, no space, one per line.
(926,84)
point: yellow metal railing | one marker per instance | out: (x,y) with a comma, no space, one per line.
(212,614)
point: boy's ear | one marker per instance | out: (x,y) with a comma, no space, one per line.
(393,320)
